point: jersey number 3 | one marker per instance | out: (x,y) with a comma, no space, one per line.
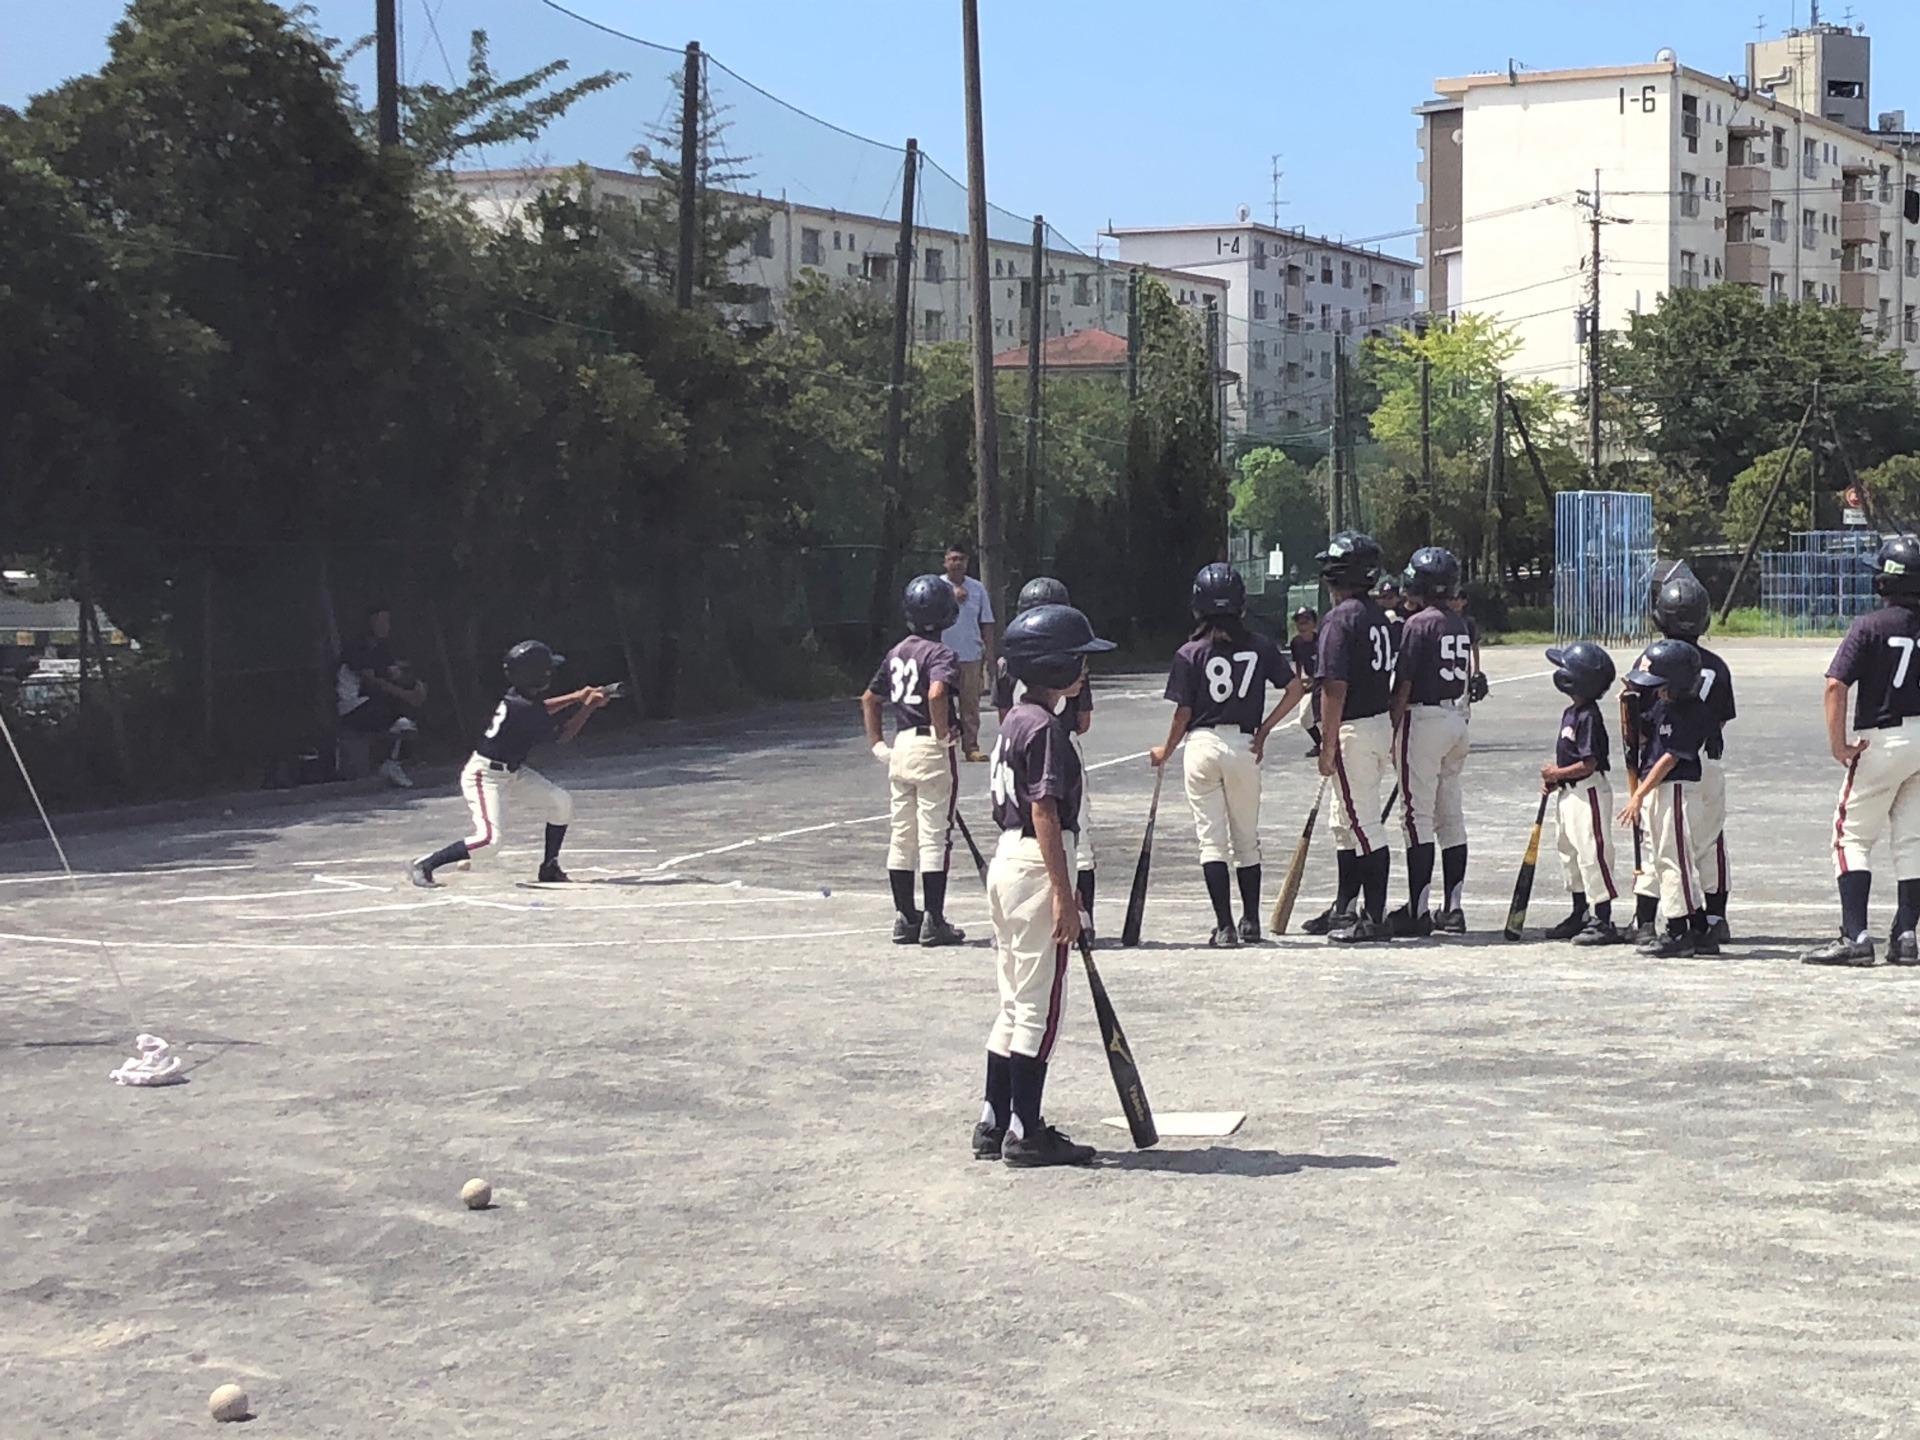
(906,681)
(499,719)
(1219,672)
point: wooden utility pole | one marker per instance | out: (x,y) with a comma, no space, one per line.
(689,178)
(892,507)
(386,69)
(1766,511)
(1337,506)
(986,421)
(1133,336)
(1036,336)
(1426,437)
(1496,486)
(1593,341)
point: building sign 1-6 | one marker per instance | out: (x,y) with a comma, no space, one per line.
(1644,102)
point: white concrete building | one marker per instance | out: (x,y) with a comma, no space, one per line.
(1288,294)
(1703,180)
(793,240)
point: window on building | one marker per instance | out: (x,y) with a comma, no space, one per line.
(877,267)
(1026,294)
(1259,404)
(1883,326)
(1886,184)
(809,247)
(1259,254)
(1326,269)
(1326,317)
(1406,287)
(1912,261)
(1326,364)
(999,268)
(1689,270)
(1259,304)
(1690,122)
(1346,274)
(1689,197)
(1083,290)
(933,327)
(1886,251)
(1910,324)
(936,264)
(1258,351)
(1777,220)
(1809,230)
(1809,291)
(1776,286)
(836,241)
(1346,321)
(762,238)
(1780,147)
(1293,370)
(1843,89)
(1117,296)
(1810,158)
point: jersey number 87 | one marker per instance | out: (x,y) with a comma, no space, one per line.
(1219,673)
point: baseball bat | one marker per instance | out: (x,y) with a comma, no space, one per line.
(1523,883)
(1126,1075)
(1392,795)
(979,860)
(1296,868)
(1137,897)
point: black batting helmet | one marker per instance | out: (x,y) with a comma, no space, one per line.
(1682,608)
(1896,567)
(1042,590)
(1306,612)
(930,603)
(1433,574)
(1672,663)
(1350,561)
(1582,671)
(1218,590)
(1044,645)
(529,668)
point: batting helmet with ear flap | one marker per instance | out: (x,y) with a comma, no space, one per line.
(1351,560)
(1433,574)
(1042,590)
(1044,646)
(529,668)
(1582,671)
(930,603)
(1671,663)
(1896,567)
(1218,590)
(1682,609)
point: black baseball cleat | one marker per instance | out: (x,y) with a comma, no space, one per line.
(1314,753)
(1718,928)
(1224,937)
(1642,934)
(1599,932)
(1450,922)
(1249,929)
(418,873)
(1569,927)
(905,931)
(935,932)
(1841,951)
(1406,925)
(1904,949)
(1327,921)
(987,1140)
(551,873)
(1670,946)
(1049,1147)
(1362,930)
(1704,943)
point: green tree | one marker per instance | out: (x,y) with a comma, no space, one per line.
(1747,496)
(1278,498)
(1893,490)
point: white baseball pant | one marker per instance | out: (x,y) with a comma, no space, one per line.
(922,776)
(487,791)
(1711,853)
(1881,796)
(1583,834)
(1084,860)
(1032,970)
(1223,787)
(1365,759)
(1433,753)
(1671,816)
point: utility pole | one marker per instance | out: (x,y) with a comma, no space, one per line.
(1133,336)
(1036,333)
(1821,423)
(1593,340)
(386,65)
(1426,437)
(1216,385)
(1766,510)
(1496,486)
(986,424)
(890,505)
(689,177)
(1337,443)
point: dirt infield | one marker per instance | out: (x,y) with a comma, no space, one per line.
(1482,1190)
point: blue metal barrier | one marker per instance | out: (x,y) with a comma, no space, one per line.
(1603,563)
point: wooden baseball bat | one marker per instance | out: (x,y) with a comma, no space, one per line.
(1296,868)
(1126,1075)
(979,860)
(1137,897)
(1523,883)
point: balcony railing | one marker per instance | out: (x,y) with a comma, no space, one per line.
(1911,331)
(1913,266)
(1690,125)
(1689,203)
(1781,157)
(1810,166)
(1809,237)
(1777,228)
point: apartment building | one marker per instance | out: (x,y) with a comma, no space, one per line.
(1702,180)
(792,240)
(1289,294)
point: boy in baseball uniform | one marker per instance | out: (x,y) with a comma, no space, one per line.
(1583,808)
(1430,720)
(1666,802)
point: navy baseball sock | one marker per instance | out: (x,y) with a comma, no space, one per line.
(1646,907)
(1579,903)
(1249,878)
(1855,888)
(1453,874)
(1215,872)
(901,883)
(1419,877)
(1084,883)
(1699,922)
(933,884)
(1375,871)
(1603,912)
(445,855)
(1677,927)
(1907,911)
(556,837)
(999,1099)
(1026,1081)
(1717,905)
(1348,864)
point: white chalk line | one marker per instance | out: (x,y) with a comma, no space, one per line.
(414,947)
(48,877)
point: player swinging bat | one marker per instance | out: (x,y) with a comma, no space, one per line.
(1137,898)
(1523,883)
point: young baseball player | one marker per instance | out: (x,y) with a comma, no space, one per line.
(1429,713)
(498,772)
(1045,590)
(1666,801)
(1355,676)
(1302,650)
(919,679)
(1218,685)
(1035,781)
(1881,795)
(1583,811)
(1683,611)
(1392,605)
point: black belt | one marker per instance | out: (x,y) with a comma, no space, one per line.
(1211,725)
(923,729)
(501,765)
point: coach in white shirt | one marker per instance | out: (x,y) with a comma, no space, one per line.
(971,640)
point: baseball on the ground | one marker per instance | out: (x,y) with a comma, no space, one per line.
(476,1194)
(229,1402)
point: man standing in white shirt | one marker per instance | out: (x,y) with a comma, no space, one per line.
(971,640)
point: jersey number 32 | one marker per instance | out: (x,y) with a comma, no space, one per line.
(906,681)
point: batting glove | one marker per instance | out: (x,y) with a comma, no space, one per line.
(881,752)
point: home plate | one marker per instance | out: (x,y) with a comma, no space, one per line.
(1189,1124)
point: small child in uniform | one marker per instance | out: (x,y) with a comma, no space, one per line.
(1667,801)
(1583,812)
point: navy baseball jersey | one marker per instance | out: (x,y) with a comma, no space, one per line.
(1356,645)
(1303,650)
(1034,759)
(1224,683)
(907,672)
(1678,728)
(1009,692)
(518,725)
(1583,737)
(1876,659)
(1396,635)
(1716,693)
(1436,657)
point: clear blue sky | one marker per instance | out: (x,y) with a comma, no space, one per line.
(1097,110)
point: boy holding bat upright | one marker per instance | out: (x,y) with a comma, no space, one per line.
(1583,814)
(1667,801)
(1035,779)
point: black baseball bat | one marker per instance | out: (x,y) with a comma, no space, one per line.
(1126,1075)
(1392,795)
(1137,897)
(979,860)
(1523,884)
